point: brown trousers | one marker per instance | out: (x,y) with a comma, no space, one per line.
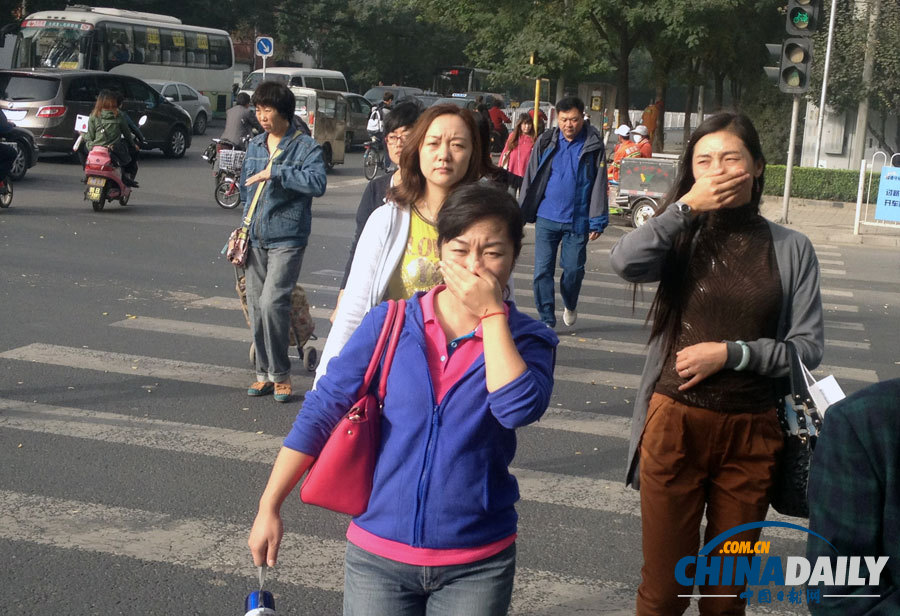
(694,458)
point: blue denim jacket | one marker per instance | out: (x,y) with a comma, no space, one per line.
(283,216)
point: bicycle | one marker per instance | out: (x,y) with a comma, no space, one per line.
(373,159)
(228,192)
(6,193)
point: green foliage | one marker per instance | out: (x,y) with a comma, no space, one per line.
(820,184)
(770,111)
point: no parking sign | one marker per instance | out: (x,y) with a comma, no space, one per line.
(888,205)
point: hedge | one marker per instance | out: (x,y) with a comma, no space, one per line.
(820,184)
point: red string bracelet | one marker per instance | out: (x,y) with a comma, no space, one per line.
(493,314)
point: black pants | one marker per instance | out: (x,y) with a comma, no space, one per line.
(7,157)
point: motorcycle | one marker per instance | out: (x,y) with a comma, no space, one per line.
(103,176)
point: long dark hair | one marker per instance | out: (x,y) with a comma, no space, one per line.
(672,293)
(518,131)
(413,186)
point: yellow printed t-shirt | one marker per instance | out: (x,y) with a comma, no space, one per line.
(418,269)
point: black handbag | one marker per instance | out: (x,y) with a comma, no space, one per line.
(791,481)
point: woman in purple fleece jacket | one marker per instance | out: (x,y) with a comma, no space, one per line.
(438,537)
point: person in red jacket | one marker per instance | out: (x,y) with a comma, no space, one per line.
(641,136)
(626,148)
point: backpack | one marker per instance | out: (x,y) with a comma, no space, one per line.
(376,121)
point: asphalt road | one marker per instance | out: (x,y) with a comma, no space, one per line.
(132,460)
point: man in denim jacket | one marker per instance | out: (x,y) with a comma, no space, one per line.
(282,172)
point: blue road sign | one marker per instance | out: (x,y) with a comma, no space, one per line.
(265,46)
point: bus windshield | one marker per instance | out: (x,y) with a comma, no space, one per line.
(50,44)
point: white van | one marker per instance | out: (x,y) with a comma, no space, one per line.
(315,78)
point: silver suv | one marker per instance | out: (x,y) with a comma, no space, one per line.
(45,102)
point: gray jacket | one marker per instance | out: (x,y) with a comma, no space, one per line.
(638,257)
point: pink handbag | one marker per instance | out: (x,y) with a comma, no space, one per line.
(341,477)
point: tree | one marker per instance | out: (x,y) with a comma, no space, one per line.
(845,87)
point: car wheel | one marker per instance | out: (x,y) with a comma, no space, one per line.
(176,144)
(20,164)
(200,124)
(642,211)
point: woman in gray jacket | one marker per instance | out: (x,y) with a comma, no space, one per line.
(733,289)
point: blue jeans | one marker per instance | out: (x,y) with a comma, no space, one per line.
(377,586)
(548,235)
(270,278)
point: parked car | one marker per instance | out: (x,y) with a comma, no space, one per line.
(47,101)
(187,98)
(358,111)
(27,152)
(376,94)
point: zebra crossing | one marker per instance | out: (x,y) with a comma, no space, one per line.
(579,527)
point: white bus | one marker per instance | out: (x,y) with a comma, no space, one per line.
(143,45)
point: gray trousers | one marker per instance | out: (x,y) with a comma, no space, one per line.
(270,278)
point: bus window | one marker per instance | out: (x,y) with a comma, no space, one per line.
(118,44)
(202,50)
(172,44)
(193,55)
(219,52)
(154,51)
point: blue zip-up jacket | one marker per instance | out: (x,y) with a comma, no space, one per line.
(442,477)
(591,195)
(283,216)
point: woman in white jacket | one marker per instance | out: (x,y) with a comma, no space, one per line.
(397,252)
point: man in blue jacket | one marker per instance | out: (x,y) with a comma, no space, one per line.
(564,193)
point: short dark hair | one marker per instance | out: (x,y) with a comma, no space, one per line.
(276,95)
(471,203)
(569,103)
(242,99)
(496,103)
(404,114)
(387,96)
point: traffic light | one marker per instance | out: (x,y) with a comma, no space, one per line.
(796,58)
(773,72)
(802,17)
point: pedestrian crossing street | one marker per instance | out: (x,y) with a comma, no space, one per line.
(579,526)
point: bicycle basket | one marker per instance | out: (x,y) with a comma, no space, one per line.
(231,160)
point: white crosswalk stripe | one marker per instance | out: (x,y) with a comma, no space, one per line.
(536,486)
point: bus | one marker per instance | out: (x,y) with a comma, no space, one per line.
(143,45)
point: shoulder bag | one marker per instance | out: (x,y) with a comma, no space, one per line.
(341,477)
(796,411)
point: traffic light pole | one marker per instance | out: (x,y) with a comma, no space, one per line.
(795,115)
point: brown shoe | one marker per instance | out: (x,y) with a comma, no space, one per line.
(283,391)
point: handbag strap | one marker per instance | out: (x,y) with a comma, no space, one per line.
(379,348)
(399,318)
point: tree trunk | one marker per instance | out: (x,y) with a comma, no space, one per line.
(659,138)
(720,92)
(622,101)
(688,109)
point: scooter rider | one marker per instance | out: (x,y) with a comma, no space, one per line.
(108,127)
(7,153)
(240,122)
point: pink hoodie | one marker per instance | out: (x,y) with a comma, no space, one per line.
(518,157)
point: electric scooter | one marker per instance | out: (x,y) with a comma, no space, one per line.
(103,176)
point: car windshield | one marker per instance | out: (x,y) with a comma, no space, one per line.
(27,88)
(49,44)
(156,86)
(254,79)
